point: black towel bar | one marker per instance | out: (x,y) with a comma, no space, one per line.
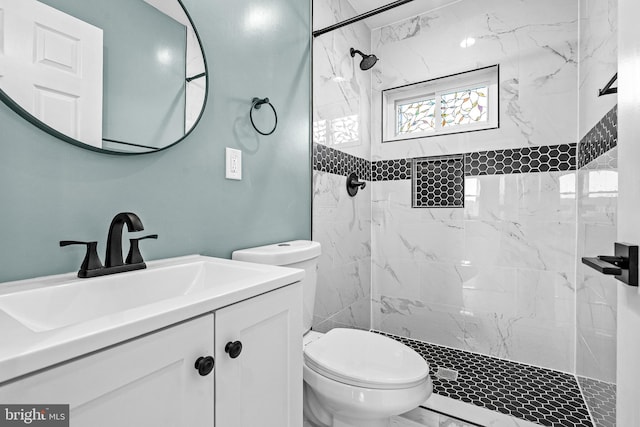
(608,90)
(623,264)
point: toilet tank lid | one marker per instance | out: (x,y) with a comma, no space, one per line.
(284,253)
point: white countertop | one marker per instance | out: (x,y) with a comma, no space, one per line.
(23,350)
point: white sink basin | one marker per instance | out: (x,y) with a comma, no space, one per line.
(63,300)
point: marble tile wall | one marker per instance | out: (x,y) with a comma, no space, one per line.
(498,276)
(534,41)
(598,60)
(340,89)
(341,224)
(596,299)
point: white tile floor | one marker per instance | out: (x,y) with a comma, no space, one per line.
(421,417)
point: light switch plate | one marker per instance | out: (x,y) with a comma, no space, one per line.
(234,164)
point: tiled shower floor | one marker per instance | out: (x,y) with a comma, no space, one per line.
(542,396)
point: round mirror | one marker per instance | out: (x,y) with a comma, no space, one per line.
(118,76)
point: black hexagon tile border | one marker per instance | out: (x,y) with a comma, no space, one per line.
(438,182)
(327,159)
(547,158)
(539,395)
(601,399)
(551,158)
(391,170)
(600,139)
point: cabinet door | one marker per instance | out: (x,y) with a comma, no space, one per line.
(262,386)
(147,382)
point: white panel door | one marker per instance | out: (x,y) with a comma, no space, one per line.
(628,351)
(147,382)
(51,64)
(262,386)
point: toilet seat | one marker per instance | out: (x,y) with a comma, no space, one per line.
(365,359)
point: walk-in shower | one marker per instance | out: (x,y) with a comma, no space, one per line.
(485,264)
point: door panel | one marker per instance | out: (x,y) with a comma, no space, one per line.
(57,50)
(263,385)
(147,382)
(57,109)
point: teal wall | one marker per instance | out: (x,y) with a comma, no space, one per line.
(144,99)
(51,190)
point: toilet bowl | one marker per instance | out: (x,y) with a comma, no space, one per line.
(352,378)
(359,378)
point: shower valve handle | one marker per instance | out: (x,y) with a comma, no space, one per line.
(354,184)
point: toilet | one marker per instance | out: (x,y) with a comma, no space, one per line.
(352,378)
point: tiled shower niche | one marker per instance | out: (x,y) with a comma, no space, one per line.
(438,182)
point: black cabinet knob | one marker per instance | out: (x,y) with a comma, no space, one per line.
(204,365)
(233,348)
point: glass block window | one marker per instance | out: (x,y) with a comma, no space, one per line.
(462,102)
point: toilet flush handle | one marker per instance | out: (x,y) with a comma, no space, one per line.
(233,348)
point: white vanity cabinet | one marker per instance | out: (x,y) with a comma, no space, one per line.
(152,381)
(148,381)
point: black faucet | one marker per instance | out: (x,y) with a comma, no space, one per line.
(114,238)
(92,266)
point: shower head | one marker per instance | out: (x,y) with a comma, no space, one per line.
(367,62)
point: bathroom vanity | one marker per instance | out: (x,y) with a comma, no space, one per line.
(223,348)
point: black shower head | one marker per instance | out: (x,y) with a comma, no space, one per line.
(367,62)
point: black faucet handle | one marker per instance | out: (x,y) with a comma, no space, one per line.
(134,256)
(91,259)
(353,184)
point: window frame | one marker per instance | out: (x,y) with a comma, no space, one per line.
(433,89)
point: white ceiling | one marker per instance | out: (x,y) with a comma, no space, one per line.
(413,8)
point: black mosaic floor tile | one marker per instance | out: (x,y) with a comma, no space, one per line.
(543,396)
(601,400)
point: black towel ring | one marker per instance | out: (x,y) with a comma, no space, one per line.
(257,103)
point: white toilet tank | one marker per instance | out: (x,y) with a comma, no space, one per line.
(302,254)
